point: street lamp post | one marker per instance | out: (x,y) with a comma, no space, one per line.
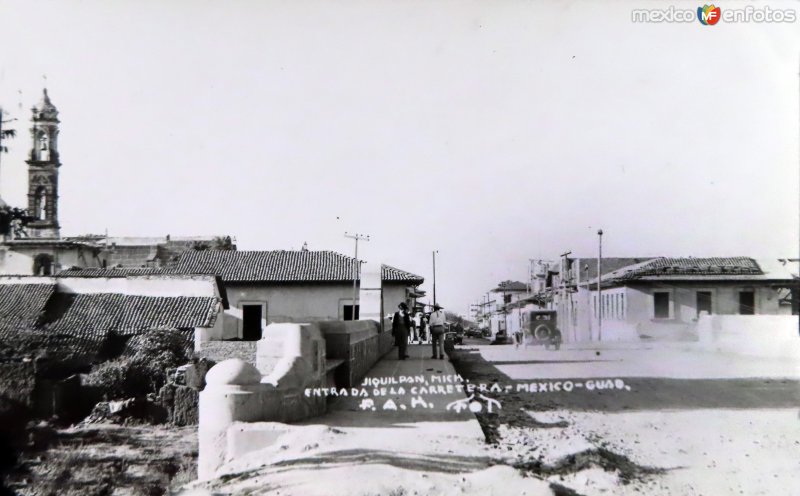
(599,285)
(356,268)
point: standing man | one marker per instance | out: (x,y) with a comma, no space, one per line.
(436,323)
(401,323)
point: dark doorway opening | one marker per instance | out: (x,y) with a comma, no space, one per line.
(703,302)
(747,303)
(348,312)
(251,322)
(661,305)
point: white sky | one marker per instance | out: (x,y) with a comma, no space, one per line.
(493,131)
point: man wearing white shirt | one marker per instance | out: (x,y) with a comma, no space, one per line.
(436,324)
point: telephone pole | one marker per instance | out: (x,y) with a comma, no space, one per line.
(599,285)
(434,275)
(356,268)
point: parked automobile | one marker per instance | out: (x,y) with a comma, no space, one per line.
(473,332)
(541,327)
(454,333)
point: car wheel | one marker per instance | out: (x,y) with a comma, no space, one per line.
(542,333)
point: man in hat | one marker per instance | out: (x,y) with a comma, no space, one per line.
(436,325)
(401,323)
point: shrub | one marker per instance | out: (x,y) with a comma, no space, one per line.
(142,369)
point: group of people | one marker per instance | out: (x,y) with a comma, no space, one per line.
(404,328)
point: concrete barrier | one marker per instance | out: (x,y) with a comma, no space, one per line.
(359,343)
(771,336)
(289,359)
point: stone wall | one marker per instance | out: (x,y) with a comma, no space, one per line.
(225,350)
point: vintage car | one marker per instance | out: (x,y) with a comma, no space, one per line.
(541,327)
(454,332)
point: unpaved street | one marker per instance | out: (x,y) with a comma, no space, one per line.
(730,434)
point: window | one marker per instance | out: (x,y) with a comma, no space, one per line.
(661,305)
(703,302)
(348,312)
(43,265)
(40,203)
(747,303)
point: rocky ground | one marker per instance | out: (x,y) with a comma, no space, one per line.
(105,459)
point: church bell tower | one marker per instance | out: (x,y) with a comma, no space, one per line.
(43,165)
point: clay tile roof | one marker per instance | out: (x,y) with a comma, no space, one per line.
(511,286)
(280,266)
(111,272)
(389,273)
(21,305)
(86,315)
(712,266)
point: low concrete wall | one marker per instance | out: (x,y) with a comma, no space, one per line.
(289,359)
(773,336)
(359,343)
(667,330)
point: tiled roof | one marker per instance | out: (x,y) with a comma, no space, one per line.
(690,268)
(280,266)
(112,272)
(21,305)
(36,318)
(714,266)
(389,273)
(511,286)
(83,315)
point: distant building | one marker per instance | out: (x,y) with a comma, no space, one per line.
(504,320)
(266,287)
(664,297)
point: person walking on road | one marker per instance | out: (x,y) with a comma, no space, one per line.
(436,324)
(401,323)
(422,334)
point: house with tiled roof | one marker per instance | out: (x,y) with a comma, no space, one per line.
(277,286)
(77,315)
(664,296)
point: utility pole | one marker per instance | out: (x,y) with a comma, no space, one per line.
(599,285)
(356,268)
(434,275)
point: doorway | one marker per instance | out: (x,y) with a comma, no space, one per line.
(703,302)
(251,322)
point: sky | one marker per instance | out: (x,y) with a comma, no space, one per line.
(493,132)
